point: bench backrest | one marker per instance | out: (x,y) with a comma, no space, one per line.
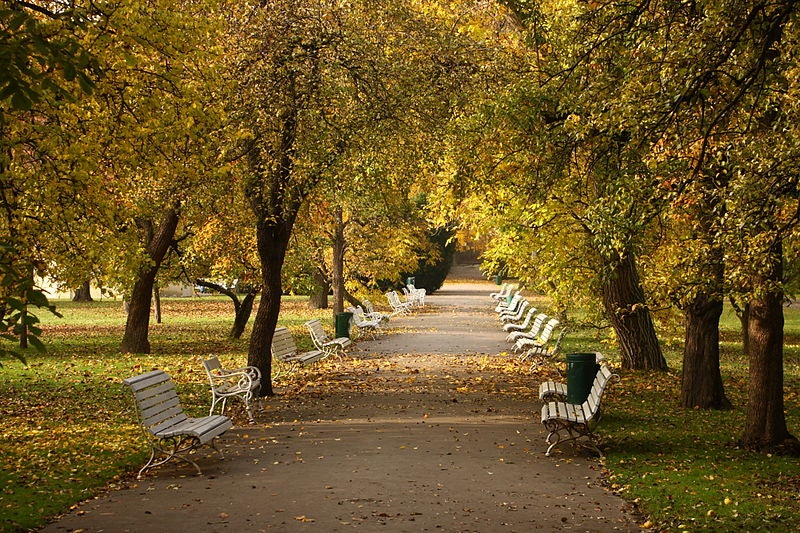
(157,401)
(283,345)
(531,312)
(537,323)
(212,366)
(317,332)
(547,331)
(592,404)
(358,315)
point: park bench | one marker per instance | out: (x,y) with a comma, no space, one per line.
(504,291)
(414,295)
(532,346)
(171,433)
(503,305)
(366,326)
(242,383)
(331,346)
(576,420)
(398,306)
(522,325)
(516,314)
(285,350)
(371,314)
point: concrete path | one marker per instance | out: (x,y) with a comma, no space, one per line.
(419,431)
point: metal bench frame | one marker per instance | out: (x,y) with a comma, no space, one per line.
(243,383)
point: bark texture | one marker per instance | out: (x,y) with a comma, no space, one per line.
(701,384)
(159,239)
(765,423)
(626,310)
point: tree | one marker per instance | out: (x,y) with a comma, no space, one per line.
(43,64)
(148,135)
(313,76)
(574,192)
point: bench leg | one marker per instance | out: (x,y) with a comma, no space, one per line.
(575,431)
(173,448)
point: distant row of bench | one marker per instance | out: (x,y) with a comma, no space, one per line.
(564,421)
(530,331)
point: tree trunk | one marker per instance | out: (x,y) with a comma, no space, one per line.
(83,293)
(243,312)
(337,272)
(743,314)
(625,308)
(701,385)
(765,423)
(157,301)
(273,241)
(158,242)
(319,298)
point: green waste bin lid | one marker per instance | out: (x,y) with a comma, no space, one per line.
(581,357)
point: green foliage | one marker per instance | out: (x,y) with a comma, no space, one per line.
(433,267)
(40,51)
(18,294)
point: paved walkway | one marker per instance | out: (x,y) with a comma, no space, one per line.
(416,433)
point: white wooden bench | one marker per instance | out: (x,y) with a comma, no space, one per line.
(531,333)
(285,350)
(398,306)
(574,420)
(242,383)
(171,433)
(365,325)
(532,346)
(521,325)
(331,346)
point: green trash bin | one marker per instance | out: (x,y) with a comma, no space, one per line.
(411,280)
(343,324)
(581,370)
(498,279)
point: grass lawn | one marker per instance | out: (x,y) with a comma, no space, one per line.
(68,429)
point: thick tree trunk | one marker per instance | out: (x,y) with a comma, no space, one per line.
(337,272)
(273,241)
(83,293)
(319,298)
(625,308)
(765,423)
(702,382)
(158,241)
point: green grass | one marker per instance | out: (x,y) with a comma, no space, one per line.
(683,466)
(68,430)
